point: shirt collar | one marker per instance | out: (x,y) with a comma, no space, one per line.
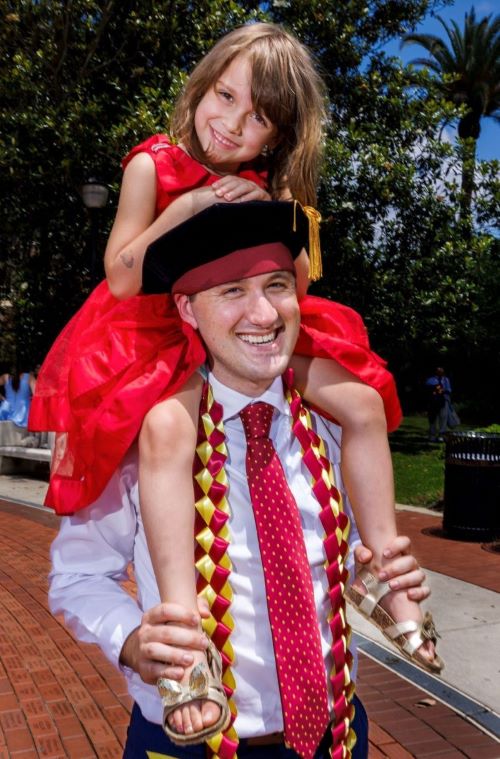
(233,402)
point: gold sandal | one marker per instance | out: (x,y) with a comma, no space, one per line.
(202,685)
(395,632)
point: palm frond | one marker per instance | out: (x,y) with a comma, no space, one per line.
(466,64)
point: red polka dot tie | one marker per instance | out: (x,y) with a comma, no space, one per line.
(290,598)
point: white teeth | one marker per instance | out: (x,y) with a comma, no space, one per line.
(222,140)
(258,339)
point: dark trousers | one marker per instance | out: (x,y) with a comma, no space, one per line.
(145,736)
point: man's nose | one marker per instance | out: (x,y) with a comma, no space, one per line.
(261,311)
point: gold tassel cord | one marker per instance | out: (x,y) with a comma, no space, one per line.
(315,262)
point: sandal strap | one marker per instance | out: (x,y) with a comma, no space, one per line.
(411,643)
(375,590)
(401,628)
(202,682)
(421,632)
(214,693)
(206,686)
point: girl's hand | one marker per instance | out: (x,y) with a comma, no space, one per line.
(232,188)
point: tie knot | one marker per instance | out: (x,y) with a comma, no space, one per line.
(257,419)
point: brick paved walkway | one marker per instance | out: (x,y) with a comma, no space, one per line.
(60,698)
(456,558)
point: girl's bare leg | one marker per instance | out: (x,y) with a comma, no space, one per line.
(366,466)
(167,444)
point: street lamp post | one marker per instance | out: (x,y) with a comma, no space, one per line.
(95,197)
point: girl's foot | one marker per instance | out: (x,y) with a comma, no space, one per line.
(198,714)
(196,709)
(399,618)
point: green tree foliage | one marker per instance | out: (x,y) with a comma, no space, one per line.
(85,80)
(81,82)
(397,249)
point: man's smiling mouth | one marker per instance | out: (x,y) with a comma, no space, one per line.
(270,337)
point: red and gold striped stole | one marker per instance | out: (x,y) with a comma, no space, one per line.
(214,565)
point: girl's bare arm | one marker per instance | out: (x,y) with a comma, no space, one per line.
(135,226)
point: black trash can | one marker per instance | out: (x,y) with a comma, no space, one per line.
(472,486)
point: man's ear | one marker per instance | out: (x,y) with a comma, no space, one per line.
(185,308)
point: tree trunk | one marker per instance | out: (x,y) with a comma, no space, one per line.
(468,149)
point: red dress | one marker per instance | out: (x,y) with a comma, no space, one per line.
(115,359)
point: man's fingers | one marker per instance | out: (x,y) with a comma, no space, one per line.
(157,660)
(150,671)
(362,554)
(172,673)
(171,635)
(418,594)
(398,566)
(203,608)
(409,580)
(163,654)
(170,613)
(400,544)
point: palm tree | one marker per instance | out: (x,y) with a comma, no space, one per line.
(467,74)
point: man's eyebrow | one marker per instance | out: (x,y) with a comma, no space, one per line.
(281,273)
(231,283)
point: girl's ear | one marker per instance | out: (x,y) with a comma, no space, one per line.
(185,309)
(274,141)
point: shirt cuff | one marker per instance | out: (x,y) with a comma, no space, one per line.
(116,627)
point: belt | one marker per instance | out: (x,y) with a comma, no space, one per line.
(265,740)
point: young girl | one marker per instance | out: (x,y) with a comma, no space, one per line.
(248,127)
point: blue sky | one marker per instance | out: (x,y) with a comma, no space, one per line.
(489,141)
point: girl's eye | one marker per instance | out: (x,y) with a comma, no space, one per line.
(225,95)
(260,119)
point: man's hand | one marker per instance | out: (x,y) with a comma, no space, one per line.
(402,571)
(161,645)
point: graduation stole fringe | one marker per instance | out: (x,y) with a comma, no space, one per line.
(214,566)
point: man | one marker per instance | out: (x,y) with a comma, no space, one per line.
(439,402)
(238,290)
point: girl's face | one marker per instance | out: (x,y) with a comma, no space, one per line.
(228,128)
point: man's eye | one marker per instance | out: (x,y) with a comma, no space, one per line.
(232,291)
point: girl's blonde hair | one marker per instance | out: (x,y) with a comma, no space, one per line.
(286,87)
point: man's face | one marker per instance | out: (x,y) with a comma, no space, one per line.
(249,327)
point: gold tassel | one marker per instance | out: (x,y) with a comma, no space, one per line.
(314,218)
(315,263)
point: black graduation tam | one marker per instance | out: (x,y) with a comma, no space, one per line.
(223,243)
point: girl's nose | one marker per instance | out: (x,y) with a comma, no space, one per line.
(233,122)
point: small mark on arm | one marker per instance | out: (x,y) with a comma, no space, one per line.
(127,260)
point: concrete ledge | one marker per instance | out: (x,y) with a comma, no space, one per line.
(17,458)
(19,452)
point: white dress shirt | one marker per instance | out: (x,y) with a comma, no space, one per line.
(91,553)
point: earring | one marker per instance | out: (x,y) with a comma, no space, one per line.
(266,151)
